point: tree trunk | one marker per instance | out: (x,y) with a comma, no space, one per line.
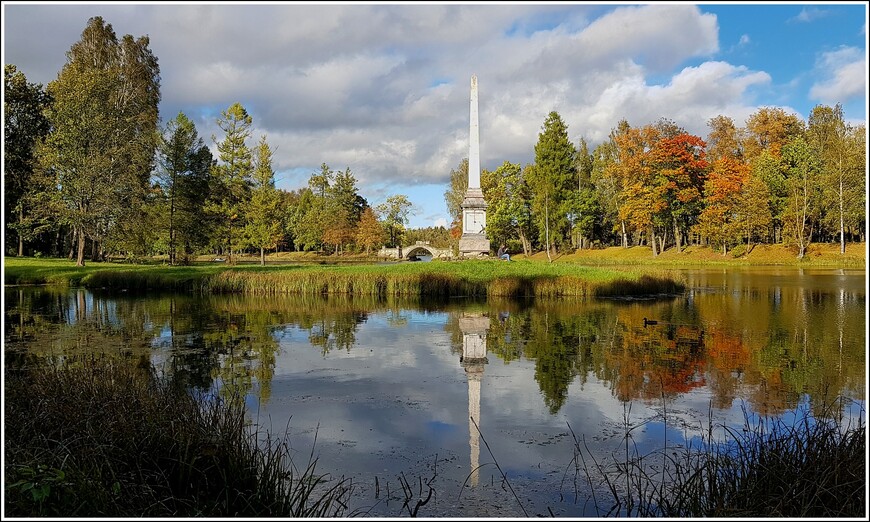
(624,235)
(677,237)
(262,256)
(842,228)
(72,244)
(21,237)
(547,228)
(172,256)
(80,256)
(523,240)
(652,242)
(230,259)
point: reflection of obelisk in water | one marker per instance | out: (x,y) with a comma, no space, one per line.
(473,241)
(473,328)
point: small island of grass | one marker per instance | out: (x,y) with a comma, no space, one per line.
(480,278)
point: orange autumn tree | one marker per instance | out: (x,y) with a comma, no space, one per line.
(340,229)
(679,165)
(370,233)
(718,221)
(769,128)
(642,197)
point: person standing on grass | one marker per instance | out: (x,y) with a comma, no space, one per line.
(502,253)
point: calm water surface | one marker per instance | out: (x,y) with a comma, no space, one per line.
(457,392)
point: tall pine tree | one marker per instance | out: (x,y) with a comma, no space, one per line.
(553,179)
(263,228)
(232,176)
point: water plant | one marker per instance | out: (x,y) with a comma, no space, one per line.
(808,466)
(101,437)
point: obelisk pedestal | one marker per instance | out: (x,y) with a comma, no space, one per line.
(473,242)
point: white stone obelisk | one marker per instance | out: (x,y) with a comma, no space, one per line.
(473,242)
(473,141)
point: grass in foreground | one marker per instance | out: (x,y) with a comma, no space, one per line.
(465,278)
(110,439)
(813,467)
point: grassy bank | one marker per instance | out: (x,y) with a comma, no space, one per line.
(111,439)
(820,255)
(465,278)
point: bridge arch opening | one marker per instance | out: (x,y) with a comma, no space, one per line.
(419,253)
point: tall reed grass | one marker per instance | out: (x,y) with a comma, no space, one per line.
(108,438)
(811,467)
(446,279)
(436,279)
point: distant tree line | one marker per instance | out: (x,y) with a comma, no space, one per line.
(91,172)
(778,179)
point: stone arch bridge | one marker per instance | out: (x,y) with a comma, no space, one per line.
(410,252)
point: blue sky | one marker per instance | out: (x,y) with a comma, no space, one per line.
(383,88)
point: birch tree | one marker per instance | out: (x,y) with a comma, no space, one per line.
(104,117)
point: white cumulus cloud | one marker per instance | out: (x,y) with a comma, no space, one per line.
(844,76)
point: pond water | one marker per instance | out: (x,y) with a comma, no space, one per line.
(462,393)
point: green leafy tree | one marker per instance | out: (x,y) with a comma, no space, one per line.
(313,211)
(802,183)
(508,199)
(723,140)
(24,125)
(753,216)
(344,209)
(612,165)
(832,141)
(100,152)
(183,162)
(855,202)
(233,177)
(437,237)
(194,222)
(584,205)
(263,224)
(287,215)
(394,214)
(606,189)
(772,171)
(307,221)
(553,178)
